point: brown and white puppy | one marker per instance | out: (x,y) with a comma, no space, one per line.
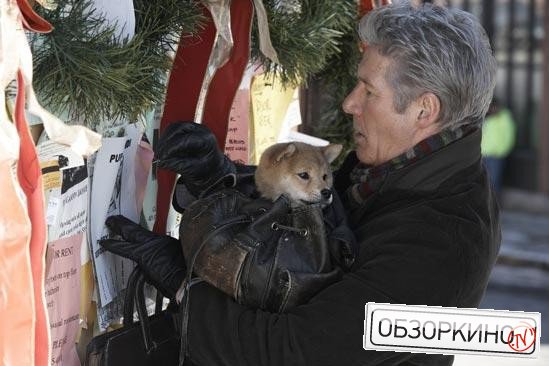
(297,170)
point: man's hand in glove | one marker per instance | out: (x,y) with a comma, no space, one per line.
(159,256)
(190,149)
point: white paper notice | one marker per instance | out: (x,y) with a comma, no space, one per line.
(113,193)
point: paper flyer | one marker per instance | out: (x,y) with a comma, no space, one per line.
(65,182)
(62,296)
(113,193)
(152,123)
(288,130)
(270,102)
(237,143)
(143,162)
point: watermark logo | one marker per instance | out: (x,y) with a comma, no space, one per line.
(434,329)
(522,338)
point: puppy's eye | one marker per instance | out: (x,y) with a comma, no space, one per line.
(325,176)
(304,175)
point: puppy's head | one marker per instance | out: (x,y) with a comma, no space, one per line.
(299,171)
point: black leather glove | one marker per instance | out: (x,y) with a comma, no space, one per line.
(159,256)
(191,149)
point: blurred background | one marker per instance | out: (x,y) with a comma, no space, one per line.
(515,150)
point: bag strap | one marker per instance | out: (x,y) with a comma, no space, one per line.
(149,344)
(159,302)
(135,295)
(130,295)
(226,181)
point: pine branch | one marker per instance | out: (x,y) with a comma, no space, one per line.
(305,36)
(338,80)
(83,70)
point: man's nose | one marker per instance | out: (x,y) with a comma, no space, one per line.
(350,104)
(326,194)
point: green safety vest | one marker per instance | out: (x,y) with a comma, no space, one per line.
(498,135)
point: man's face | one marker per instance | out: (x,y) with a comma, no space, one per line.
(380,132)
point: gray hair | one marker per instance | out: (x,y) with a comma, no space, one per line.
(438,50)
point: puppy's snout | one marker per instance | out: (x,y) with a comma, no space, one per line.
(326,194)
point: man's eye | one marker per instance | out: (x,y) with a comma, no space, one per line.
(304,175)
(369,93)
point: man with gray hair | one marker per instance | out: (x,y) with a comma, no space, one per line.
(415,191)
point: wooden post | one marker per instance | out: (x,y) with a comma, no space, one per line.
(544,111)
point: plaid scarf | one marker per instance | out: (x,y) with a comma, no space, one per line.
(367,179)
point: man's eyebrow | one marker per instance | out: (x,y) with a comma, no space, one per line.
(365,80)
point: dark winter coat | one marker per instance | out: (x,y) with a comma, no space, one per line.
(429,236)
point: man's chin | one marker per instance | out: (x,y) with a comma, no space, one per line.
(363,156)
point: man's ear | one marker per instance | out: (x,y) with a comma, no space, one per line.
(429,110)
(285,152)
(332,151)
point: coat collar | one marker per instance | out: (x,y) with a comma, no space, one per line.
(420,178)
(429,173)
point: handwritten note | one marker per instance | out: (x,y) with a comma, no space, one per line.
(237,143)
(270,102)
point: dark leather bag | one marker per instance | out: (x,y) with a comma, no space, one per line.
(154,340)
(264,254)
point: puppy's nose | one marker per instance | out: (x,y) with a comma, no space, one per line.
(326,194)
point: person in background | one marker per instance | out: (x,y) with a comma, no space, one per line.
(498,139)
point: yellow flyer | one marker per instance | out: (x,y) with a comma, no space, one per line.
(270,102)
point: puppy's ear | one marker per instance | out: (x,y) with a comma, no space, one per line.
(332,151)
(285,152)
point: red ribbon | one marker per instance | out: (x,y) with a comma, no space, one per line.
(186,81)
(367,5)
(31,20)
